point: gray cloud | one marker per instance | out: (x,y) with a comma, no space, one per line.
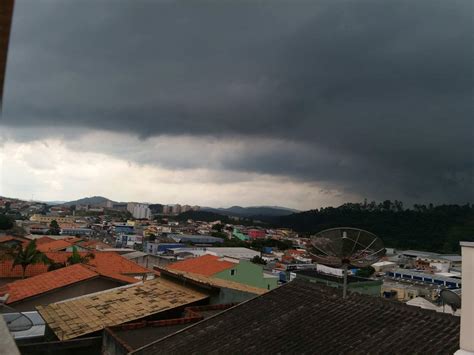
(369,96)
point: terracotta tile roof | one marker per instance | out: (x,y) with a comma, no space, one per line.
(6,238)
(302,317)
(210,281)
(111,263)
(45,282)
(72,240)
(107,263)
(55,245)
(207,265)
(43,240)
(83,315)
(120,277)
(6,270)
(93,244)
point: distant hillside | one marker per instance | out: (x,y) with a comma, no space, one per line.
(205,216)
(431,228)
(238,211)
(94,200)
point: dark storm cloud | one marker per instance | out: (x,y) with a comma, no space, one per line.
(384,89)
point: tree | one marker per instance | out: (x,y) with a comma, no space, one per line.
(365,271)
(218,227)
(258,260)
(5,222)
(77,258)
(26,256)
(219,235)
(54,228)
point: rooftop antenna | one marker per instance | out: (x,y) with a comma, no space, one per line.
(344,247)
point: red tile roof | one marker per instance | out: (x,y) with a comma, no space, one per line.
(55,245)
(43,240)
(106,263)
(6,238)
(112,263)
(207,265)
(93,244)
(45,282)
(6,270)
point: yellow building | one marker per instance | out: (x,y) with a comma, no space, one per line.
(48,219)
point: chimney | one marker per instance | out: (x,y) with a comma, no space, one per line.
(467,302)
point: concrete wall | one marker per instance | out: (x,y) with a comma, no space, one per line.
(248,273)
(75,290)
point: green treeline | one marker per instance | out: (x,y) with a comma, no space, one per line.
(432,228)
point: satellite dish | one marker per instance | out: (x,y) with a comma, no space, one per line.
(451,297)
(346,247)
(16,321)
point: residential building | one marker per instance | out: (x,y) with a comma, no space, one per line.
(239,235)
(139,210)
(236,253)
(71,281)
(256,233)
(305,317)
(48,219)
(195,239)
(405,274)
(156,248)
(77,231)
(241,271)
(124,338)
(403,291)
(105,263)
(94,312)
(383,266)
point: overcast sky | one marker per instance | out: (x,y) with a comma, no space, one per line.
(294,103)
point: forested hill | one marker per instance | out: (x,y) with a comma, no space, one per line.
(433,228)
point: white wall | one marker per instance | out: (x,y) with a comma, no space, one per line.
(467,303)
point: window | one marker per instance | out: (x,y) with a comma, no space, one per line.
(232,272)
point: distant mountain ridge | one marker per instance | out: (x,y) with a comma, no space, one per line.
(94,200)
(238,211)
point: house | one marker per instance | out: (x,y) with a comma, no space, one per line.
(242,271)
(195,239)
(8,241)
(143,259)
(234,252)
(450,282)
(121,339)
(304,317)
(71,281)
(105,263)
(92,313)
(256,233)
(220,291)
(55,245)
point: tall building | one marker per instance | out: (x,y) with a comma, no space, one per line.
(167,209)
(176,209)
(139,210)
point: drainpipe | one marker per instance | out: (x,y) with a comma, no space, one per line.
(466,341)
